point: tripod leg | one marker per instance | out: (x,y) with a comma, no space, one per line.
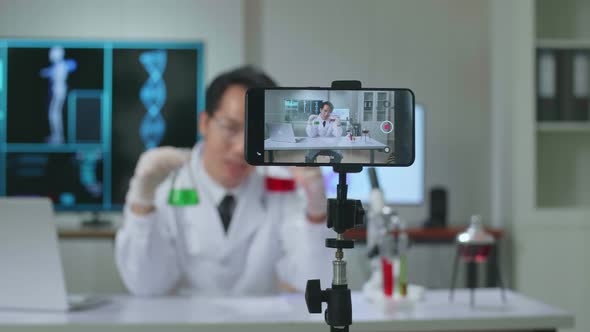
(454,273)
(491,265)
(471,279)
(502,289)
(498,274)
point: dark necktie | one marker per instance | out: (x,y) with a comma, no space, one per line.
(324,123)
(226,209)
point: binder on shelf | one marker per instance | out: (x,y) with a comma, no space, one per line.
(547,105)
(563,85)
(581,86)
(565,78)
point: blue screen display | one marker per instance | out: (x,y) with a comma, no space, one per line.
(75,115)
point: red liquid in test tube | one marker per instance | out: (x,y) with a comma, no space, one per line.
(387,267)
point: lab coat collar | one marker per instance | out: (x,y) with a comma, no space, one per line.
(250,211)
(212,188)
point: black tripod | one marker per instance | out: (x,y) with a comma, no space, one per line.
(343,214)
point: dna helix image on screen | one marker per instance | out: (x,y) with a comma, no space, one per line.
(153,95)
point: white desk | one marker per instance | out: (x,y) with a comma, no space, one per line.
(325,143)
(289,313)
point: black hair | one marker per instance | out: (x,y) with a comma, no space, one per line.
(327,103)
(247,76)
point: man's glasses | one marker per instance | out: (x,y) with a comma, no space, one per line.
(230,130)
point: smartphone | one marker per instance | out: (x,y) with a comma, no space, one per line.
(326,126)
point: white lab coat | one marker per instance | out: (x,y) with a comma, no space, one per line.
(315,127)
(268,241)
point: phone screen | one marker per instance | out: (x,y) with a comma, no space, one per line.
(323,126)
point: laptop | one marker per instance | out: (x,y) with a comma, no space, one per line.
(282,132)
(32,273)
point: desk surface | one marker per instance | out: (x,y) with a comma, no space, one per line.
(326,143)
(417,234)
(289,313)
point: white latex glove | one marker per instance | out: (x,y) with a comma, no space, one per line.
(312,118)
(152,169)
(312,182)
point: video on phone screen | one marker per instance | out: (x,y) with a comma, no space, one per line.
(334,126)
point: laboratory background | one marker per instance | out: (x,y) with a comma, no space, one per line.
(502,92)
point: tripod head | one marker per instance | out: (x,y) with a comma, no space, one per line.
(343,213)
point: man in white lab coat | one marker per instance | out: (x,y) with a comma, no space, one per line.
(323,125)
(206,222)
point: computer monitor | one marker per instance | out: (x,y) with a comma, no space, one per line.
(76,115)
(400,185)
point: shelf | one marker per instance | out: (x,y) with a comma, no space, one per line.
(425,235)
(563,161)
(87,233)
(563,127)
(563,43)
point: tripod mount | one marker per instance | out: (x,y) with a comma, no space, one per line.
(343,214)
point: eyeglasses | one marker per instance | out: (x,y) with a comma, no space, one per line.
(229,130)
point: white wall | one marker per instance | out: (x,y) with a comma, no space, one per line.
(217,23)
(439,49)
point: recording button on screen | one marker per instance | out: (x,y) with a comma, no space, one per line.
(386,127)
